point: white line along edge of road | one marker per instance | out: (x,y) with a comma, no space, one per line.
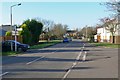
(35,60)
(4,73)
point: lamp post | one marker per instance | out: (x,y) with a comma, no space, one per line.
(11,24)
(86,32)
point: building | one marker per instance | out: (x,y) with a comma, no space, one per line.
(104,35)
(72,33)
(4,29)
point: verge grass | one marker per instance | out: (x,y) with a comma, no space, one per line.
(109,45)
(45,44)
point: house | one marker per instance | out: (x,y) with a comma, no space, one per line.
(71,33)
(4,29)
(104,35)
(2,32)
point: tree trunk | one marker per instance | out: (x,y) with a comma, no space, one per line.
(113,38)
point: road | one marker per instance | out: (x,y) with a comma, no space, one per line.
(75,59)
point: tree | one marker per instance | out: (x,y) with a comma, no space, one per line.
(47,25)
(8,33)
(87,32)
(26,35)
(111,25)
(59,30)
(31,29)
(113,6)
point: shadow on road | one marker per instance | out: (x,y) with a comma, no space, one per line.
(17,59)
(50,51)
(83,67)
(38,70)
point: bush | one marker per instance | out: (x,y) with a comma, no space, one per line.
(8,33)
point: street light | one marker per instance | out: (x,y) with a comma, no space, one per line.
(86,32)
(11,25)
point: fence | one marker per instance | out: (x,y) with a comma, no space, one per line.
(117,39)
(4,38)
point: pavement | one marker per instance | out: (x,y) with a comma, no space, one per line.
(75,59)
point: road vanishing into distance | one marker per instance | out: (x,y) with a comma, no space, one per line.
(75,59)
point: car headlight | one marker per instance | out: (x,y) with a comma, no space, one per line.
(28,46)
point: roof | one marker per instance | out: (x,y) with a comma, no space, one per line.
(6,27)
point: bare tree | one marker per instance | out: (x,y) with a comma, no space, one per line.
(59,30)
(113,6)
(47,26)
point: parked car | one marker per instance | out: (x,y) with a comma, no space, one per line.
(65,40)
(6,46)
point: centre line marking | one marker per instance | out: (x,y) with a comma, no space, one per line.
(66,74)
(4,73)
(78,57)
(35,60)
(73,65)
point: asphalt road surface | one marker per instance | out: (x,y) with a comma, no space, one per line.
(75,59)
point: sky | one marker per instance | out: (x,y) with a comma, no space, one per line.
(74,14)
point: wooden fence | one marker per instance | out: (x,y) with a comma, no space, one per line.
(4,38)
(116,39)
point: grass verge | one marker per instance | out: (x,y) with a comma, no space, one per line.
(109,45)
(9,53)
(45,44)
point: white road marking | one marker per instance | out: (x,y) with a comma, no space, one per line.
(78,57)
(73,65)
(66,74)
(35,60)
(4,74)
(84,57)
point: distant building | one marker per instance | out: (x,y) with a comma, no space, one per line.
(72,33)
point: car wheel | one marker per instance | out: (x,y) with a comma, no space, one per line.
(19,49)
(24,50)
